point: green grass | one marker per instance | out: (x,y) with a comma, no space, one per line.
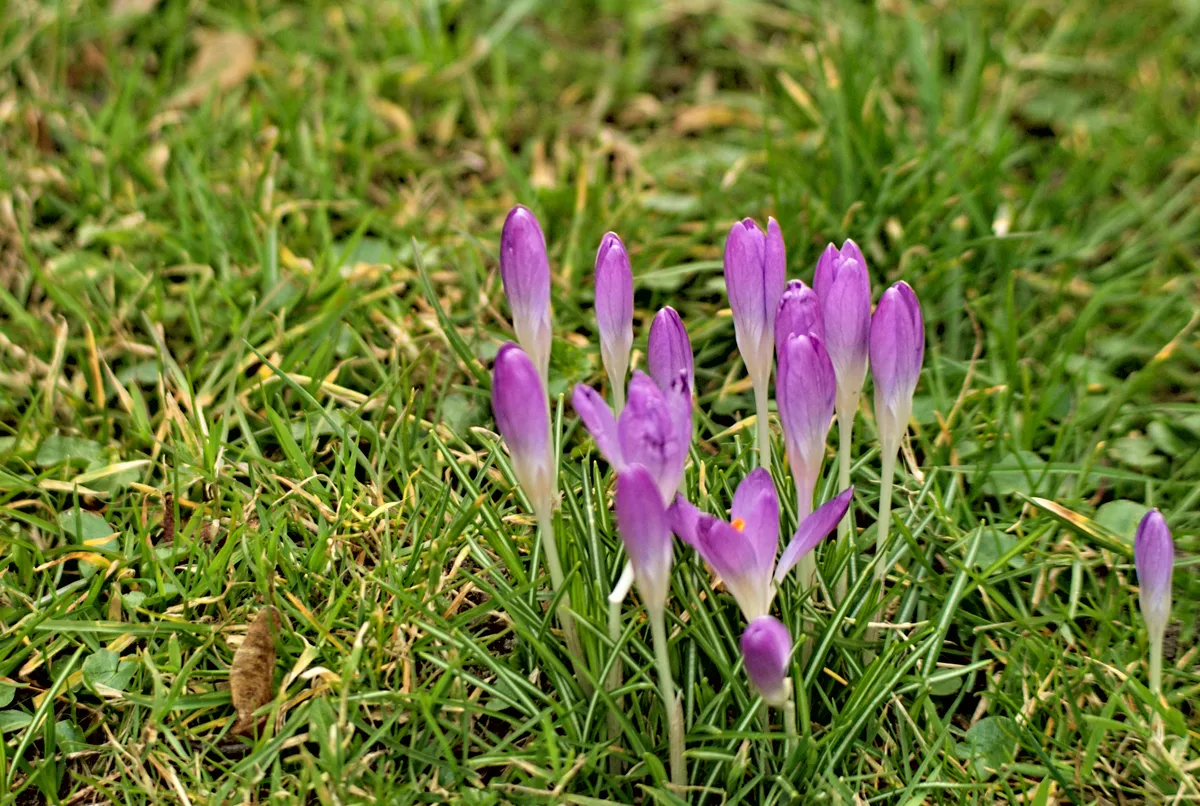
(281,302)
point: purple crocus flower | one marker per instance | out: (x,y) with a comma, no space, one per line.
(798,314)
(805,396)
(755,276)
(844,288)
(654,429)
(523,417)
(669,351)
(642,523)
(897,350)
(742,551)
(1154,557)
(525,271)
(614,311)
(766,649)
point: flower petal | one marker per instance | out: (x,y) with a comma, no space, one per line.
(599,420)
(684,519)
(815,528)
(756,506)
(642,522)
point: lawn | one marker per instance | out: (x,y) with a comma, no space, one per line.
(249,300)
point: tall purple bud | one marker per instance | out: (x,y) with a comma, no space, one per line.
(897,351)
(1154,557)
(669,351)
(614,312)
(755,276)
(525,271)
(844,288)
(523,417)
(799,314)
(766,649)
(805,396)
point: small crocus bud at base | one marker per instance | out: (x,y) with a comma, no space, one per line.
(669,351)
(767,649)
(523,419)
(525,272)
(1154,558)
(614,312)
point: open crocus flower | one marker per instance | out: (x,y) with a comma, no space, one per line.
(742,550)
(653,431)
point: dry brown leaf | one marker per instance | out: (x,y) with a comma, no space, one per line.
(697,118)
(224,60)
(252,675)
(131,8)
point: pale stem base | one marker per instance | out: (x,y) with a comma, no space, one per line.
(616,673)
(570,633)
(666,684)
(789,720)
(616,382)
(845,418)
(882,530)
(1156,649)
(763,419)
(806,567)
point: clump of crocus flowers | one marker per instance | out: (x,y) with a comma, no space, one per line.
(817,340)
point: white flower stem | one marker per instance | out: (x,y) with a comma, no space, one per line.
(789,723)
(666,684)
(845,418)
(882,529)
(616,382)
(550,547)
(616,673)
(806,567)
(763,418)
(1156,651)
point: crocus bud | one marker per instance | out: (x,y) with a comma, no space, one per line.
(799,314)
(766,649)
(642,523)
(805,396)
(844,288)
(755,276)
(897,350)
(654,429)
(669,351)
(525,271)
(523,417)
(1154,557)
(614,308)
